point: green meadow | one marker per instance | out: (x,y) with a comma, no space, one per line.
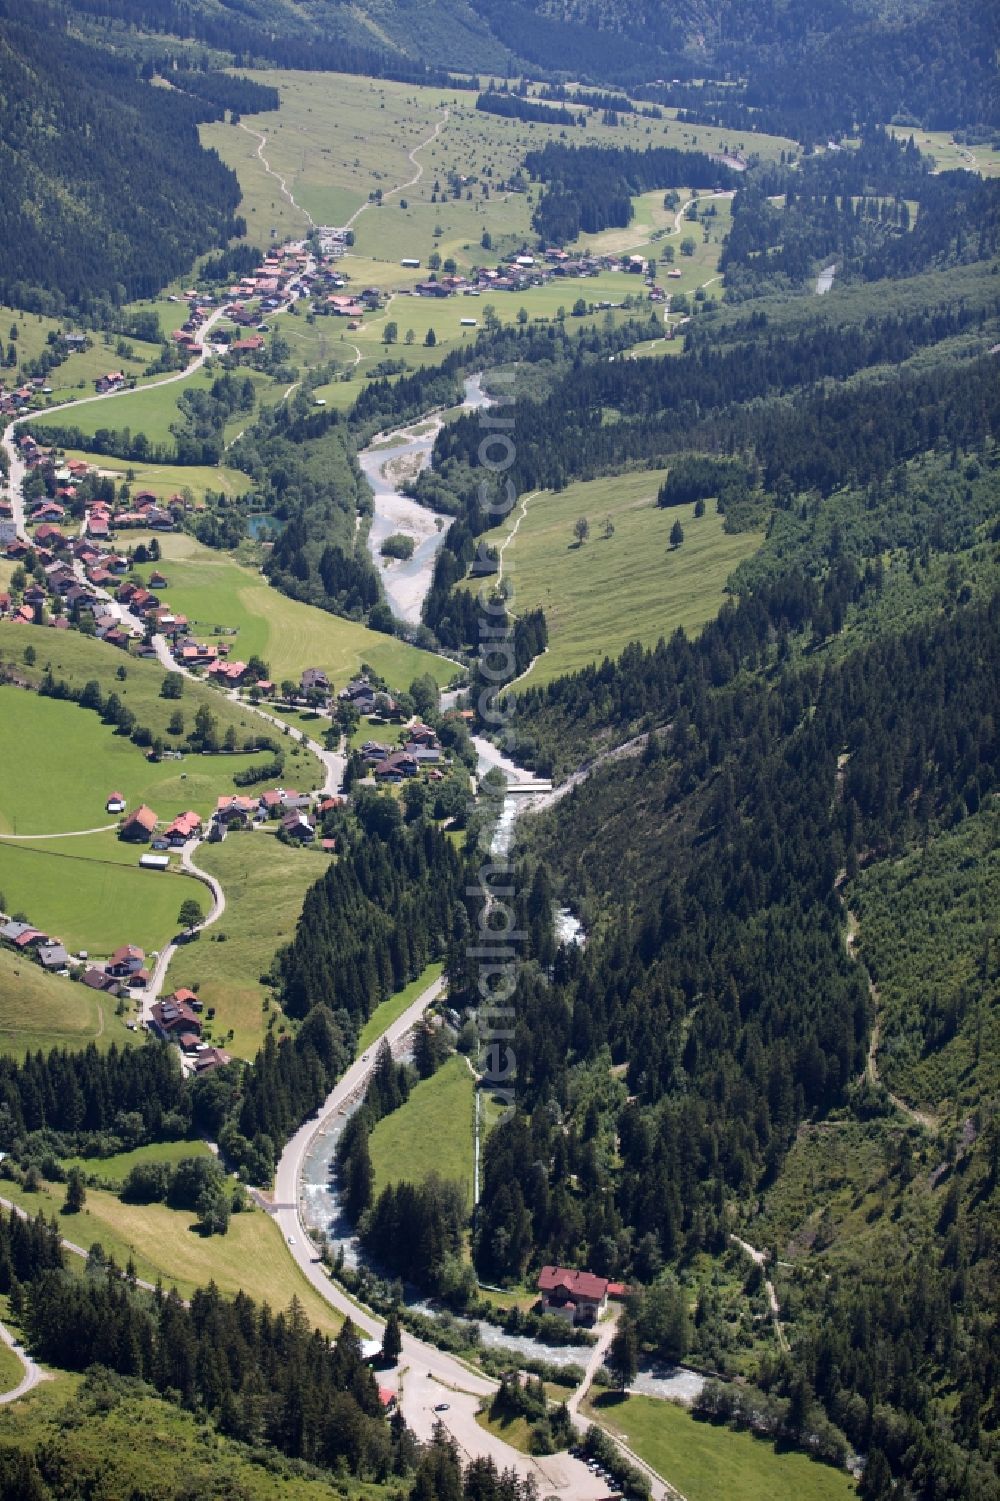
(432,1132)
(633,586)
(38,1010)
(251,1257)
(80,659)
(150,411)
(93,904)
(61,762)
(265,884)
(385,1014)
(165,480)
(705,1462)
(212,589)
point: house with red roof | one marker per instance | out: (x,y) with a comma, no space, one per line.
(139,826)
(126,961)
(184,827)
(577,1297)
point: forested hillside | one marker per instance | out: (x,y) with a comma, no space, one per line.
(105,190)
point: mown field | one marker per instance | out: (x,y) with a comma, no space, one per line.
(91,904)
(213,590)
(61,762)
(251,1257)
(632,586)
(951,155)
(705,1462)
(117,1168)
(80,659)
(432,1132)
(265,884)
(165,480)
(42,1011)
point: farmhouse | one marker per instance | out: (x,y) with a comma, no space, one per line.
(207,1057)
(577,1297)
(52,956)
(126,961)
(22,935)
(139,825)
(315,680)
(236,811)
(297,826)
(99,979)
(184,827)
(172,1018)
(115,802)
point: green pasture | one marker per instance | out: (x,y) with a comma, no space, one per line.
(432,1132)
(211,589)
(115,1169)
(631,587)
(61,762)
(93,904)
(38,1010)
(79,659)
(251,1257)
(385,1014)
(705,1462)
(951,155)
(151,410)
(265,884)
(165,480)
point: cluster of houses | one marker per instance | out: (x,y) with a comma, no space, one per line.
(177,1019)
(421,752)
(520,272)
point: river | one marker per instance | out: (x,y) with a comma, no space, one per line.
(391,461)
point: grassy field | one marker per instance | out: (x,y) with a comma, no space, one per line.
(61,762)
(38,1010)
(212,589)
(165,480)
(432,1132)
(949,155)
(93,904)
(79,659)
(11,1369)
(142,411)
(384,1015)
(582,588)
(265,883)
(251,1257)
(117,1168)
(705,1462)
(513,1431)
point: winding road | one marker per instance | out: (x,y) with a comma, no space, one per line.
(33,1373)
(16,468)
(428,1376)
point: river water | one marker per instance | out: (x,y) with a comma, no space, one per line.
(388,463)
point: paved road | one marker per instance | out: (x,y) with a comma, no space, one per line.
(33,1372)
(151,994)
(428,1376)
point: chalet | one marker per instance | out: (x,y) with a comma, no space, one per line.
(99,979)
(577,1297)
(297,826)
(172,1019)
(126,961)
(424,755)
(52,956)
(22,934)
(396,766)
(421,734)
(315,680)
(96,524)
(115,802)
(232,673)
(112,381)
(49,510)
(250,345)
(207,1057)
(157,580)
(189,997)
(235,812)
(139,826)
(4,605)
(432,289)
(184,827)
(270,801)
